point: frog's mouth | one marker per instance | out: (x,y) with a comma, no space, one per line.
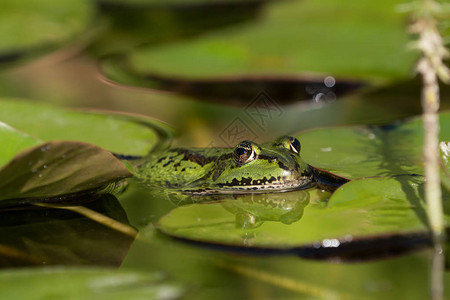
(283,186)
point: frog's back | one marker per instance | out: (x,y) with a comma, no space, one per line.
(177,167)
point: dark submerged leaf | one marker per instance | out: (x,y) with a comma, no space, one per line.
(62,237)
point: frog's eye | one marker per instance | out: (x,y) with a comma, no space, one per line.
(295,145)
(290,143)
(244,153)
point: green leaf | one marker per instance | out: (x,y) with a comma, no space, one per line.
(84,283)
(290,38)
(34,25)
(362,151)
(362,209)
(125,134)
(58,168)
(165,21)
(13,141)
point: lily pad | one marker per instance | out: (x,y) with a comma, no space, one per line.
(361,151)
(31,27)
(58,168)
(240,89)
(119,133)
(289,40)
(13,141)
(85,283)
(387,209)
(134,23)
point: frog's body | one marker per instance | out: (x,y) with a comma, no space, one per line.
(250,167)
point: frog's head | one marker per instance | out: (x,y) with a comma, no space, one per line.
(271,166)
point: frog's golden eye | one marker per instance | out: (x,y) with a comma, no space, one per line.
(290,143)
(244,153)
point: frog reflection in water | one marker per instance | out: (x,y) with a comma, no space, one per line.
(252,210)
(249,167)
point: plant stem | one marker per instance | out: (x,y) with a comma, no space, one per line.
(430,105)
(431,67)
(433,194)
(437,272)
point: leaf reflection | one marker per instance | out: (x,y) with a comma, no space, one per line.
(36,236)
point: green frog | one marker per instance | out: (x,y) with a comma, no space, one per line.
(249,167)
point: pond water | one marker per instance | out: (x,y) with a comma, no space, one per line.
(367,240)
(56,237)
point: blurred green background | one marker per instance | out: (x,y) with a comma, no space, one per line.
(199,66)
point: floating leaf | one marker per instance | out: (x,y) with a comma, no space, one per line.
(134,23)
(288,40)
(58,168)
(119,133)
(13,141)
(29,27)
(239,89)
(85,283)
(390,210)
(362,151)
